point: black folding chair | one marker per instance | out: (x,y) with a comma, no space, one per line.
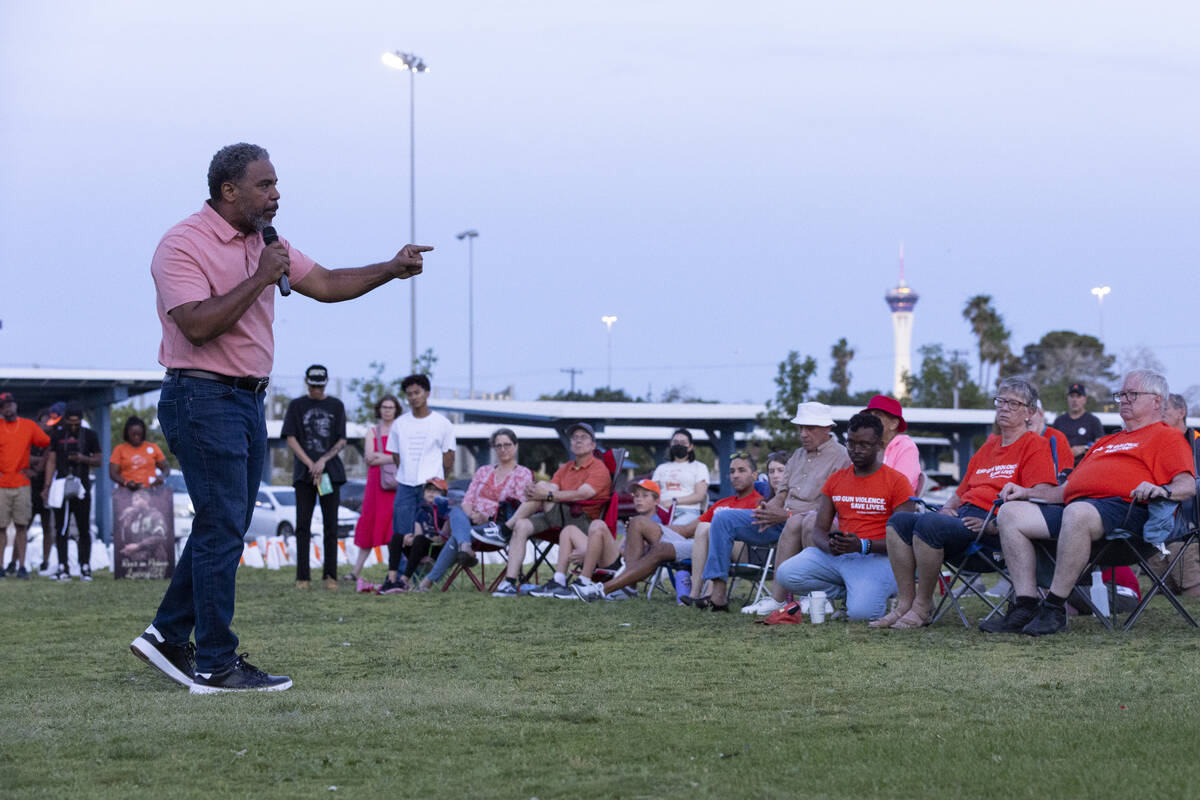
(965,570)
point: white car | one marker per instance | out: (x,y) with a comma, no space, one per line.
(275,515)
(184,512)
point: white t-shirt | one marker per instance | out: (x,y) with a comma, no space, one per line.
(678,479)
(420,443)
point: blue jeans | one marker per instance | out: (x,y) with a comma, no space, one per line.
(404,517)
(460,533)
(219,435)
(865,581)
(729,524)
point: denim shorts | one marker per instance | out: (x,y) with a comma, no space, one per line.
(1114,513)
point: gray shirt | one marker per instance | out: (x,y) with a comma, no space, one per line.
(805,474)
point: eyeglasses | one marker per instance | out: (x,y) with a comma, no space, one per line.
(1127,397)
(504,445)
(1004,402)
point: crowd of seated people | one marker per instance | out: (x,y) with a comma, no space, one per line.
(842,518)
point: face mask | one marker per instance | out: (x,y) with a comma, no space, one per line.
(679,451)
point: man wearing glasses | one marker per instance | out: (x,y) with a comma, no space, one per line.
(1080,426)
(1148,460)
(557,504)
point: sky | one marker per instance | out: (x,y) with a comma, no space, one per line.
(730,180)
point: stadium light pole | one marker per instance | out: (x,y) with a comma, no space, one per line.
(413,64)
(608,321)
(470,237)
(1100,292)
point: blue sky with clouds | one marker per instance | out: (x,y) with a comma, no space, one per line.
(731,180)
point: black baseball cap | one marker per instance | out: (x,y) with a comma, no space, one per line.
(316,375)
(1077,388)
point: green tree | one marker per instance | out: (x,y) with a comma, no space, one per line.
(992,338)
(602,394)
(1061,358)
(839,374)
(149,415)
(943,382)
(425,363)
(682,393)
(791,389)
(368,391)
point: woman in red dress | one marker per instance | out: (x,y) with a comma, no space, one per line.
(374,528)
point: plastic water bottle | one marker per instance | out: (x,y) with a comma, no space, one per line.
(1099,593)
(683,584)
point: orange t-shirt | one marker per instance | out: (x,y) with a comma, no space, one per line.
(15,440)
(749,501)
(137,464)
(1066,459)
(863,504)
(1026,462)
(571,476)
(1117,463)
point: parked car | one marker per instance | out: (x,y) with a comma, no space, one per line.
(938,488)
(275,515)
(351,495)
(184,511)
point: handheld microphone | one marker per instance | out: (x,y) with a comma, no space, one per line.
(271,237)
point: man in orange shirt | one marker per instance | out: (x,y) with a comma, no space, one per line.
(583,480)
(17,435)
(852,561)
(1109,489)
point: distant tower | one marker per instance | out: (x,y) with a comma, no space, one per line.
(901,301)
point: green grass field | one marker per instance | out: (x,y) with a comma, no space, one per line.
(462,695)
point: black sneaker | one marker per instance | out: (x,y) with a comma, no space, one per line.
(1013,621)
(12,567)
(505,589)
(23,574)
(492,534)
(85,572)
(390,586)
(177,662)
(241,677)
(1047,619)
(549,588)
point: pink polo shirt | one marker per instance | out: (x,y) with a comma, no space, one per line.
(202,257)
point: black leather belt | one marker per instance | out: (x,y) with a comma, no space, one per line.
(250,384)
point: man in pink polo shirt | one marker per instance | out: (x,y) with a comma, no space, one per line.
(215,278)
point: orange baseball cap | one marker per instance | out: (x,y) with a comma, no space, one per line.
(437,483)
(649,486)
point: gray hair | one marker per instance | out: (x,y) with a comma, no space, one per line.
(1150,382)
(1177,401)
(1022,388)
(229,165)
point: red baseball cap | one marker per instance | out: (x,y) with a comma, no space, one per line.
(437,483)
(888,405)
(6,397)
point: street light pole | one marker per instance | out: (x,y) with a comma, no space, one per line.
(608,321)
(470,237)
(413,64)
(1100,291)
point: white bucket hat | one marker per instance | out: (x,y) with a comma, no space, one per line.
(817,414)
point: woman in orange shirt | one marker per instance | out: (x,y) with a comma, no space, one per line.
(135,463)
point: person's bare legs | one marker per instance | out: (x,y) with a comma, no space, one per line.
(1019,523)
(516,549)
(363,552)
(572,544)
(643,567)
(699,555)
(929,571)
(20,540)
(903,562)
(1081,525)
(528,508)
(601,548)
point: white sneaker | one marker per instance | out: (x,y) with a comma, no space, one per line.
(763,607)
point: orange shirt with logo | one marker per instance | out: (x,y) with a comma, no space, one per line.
(137,463)
(1117,463)
(15,440)
(1026,462)
(863,504)
(1066,459)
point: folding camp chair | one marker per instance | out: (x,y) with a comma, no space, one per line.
(1125,548)
(965,569)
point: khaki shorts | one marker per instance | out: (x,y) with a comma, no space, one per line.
(16,507)
(559,516)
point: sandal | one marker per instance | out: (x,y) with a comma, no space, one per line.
(886,621)
(701,603)
(911,620)
(465,559)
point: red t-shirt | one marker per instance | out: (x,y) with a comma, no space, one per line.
(1066,459)
(749,501)
(1026,462)
(1117,463)
(863,504)
(15,440)
(571,476)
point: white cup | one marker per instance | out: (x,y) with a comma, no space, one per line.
(816,607)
